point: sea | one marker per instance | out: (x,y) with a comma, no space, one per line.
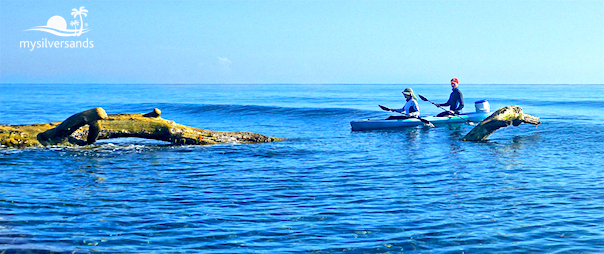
(326,189)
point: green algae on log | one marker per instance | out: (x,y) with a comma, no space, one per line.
(503,117)
(88,126)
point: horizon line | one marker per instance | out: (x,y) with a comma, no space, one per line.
(56,83)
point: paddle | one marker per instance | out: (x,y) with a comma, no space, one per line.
(426,122)
(426,99)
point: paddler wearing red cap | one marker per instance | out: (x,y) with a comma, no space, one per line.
(455,100)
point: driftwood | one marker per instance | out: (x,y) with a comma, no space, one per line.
(88,126)
(62,132)
(504,117)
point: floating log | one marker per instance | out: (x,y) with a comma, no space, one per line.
(88,126)
(503,117)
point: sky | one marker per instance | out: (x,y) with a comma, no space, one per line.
(305,42)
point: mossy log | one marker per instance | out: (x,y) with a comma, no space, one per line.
(88,126)
(503,117)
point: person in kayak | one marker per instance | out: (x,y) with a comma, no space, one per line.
(455,100)
(411,108)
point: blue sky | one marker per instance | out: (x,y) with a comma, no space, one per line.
(308,42)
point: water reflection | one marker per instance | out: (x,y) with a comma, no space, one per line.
(516,144)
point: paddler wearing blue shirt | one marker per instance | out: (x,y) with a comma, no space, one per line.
(455,100)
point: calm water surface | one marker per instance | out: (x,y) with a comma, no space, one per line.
(326,190)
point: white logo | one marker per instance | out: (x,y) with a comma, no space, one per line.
(58,26)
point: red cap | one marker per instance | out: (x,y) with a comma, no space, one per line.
(454,80)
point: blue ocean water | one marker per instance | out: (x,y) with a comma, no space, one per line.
(325,190)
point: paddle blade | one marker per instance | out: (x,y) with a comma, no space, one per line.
(426,122)
(384,108)
(422,97)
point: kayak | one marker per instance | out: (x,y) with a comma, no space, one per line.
(380,124)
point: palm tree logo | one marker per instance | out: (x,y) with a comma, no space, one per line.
(74,23)
(58,26)
(79,12)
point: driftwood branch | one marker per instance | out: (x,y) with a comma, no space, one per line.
(88,126)
(504,117)
(60,133)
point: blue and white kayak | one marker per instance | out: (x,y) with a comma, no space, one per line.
(380,124)
(482,112)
